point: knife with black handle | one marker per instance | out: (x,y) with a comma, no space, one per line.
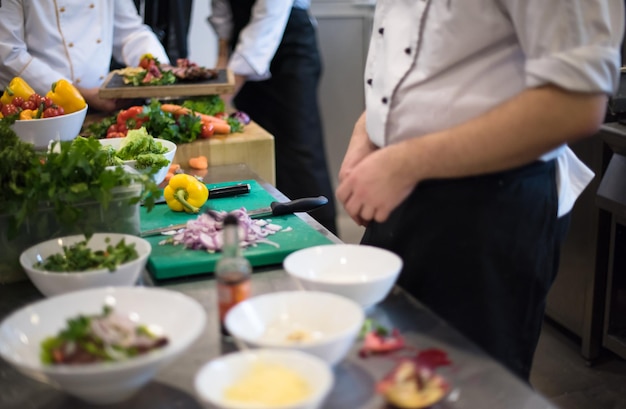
(305,204)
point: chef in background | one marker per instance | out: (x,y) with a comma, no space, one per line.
(271,46)
(460,163)
(44,41)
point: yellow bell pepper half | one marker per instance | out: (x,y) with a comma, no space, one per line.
(65,95)
(185,193)
(16,88)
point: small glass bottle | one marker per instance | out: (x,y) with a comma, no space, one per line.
(232,271)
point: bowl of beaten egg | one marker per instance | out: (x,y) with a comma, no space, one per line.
(264,379)
(365,274)
(322,324)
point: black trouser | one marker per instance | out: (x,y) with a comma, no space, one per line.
(482,253)
(286,106)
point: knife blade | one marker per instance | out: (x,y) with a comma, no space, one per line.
(305,204)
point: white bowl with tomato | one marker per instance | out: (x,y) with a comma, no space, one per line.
(53,125)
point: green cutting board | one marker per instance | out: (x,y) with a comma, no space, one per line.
(168,261)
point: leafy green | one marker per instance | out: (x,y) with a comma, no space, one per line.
(164,125)
(63,178)
(209,104)
(80,257)
(166,78)
(137,142)
(98,129)
(235,124)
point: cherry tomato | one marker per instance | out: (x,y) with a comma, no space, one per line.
(9,109)
(112,128)
(29,105)
(47,102)
(18,101)
(35,98)
(51,112)
(206,130)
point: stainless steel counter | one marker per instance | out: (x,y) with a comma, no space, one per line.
(477,381)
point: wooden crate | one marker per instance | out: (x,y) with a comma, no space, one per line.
(254,147)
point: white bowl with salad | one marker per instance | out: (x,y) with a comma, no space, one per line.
(133,333)
(72,263)
(142,152)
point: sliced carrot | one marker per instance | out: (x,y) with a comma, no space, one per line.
(173,168)
(199,162)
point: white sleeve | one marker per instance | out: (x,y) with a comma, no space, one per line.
(260,39)
(15,60)
(573,44)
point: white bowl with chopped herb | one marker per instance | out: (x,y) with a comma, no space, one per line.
(101,345)
(142,152)
(74,263)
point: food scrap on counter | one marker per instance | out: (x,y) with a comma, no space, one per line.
(198,162)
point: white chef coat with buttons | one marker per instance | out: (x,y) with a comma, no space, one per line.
(434,64)
(259,40)
(43,41)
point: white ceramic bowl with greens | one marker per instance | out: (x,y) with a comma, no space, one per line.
(52,282)
(159,176)
(159,310)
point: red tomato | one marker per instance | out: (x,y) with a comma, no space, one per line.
(206,130)
(35,98)
(29,105)
(18,101)
(9,109)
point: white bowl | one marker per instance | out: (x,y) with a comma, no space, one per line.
(217,375)
(328,323)
(161,310)
(364,274)
(159,176)
(41,131)
(53,283)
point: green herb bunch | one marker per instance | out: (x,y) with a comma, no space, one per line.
(68,174)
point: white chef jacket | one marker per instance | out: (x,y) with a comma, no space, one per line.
(434,64)
(259,40)
(44,40)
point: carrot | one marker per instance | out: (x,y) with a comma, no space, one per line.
(181,110)
(199,162)
(220,128)
(173,168)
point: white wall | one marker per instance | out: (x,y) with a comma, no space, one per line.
(202,38)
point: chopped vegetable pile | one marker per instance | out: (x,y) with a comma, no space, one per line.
(80,257)
(109,336)
(205,232)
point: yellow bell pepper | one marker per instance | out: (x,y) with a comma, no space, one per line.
(16,88)
(185,193)
(65,95)
(27,114)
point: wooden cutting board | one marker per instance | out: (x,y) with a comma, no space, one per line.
(114,87)
(169,261)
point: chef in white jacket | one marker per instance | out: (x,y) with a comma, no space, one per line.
(44,41)
(460,162)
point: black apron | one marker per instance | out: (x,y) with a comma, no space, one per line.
(286,106)
(482,253)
